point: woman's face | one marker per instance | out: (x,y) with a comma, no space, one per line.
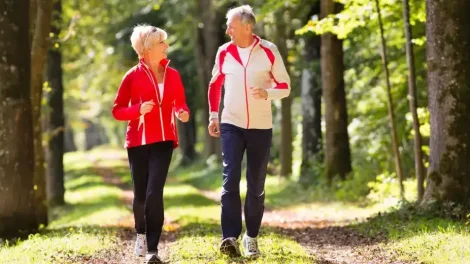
(157,51)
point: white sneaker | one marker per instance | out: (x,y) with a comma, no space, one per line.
(140,245)
(152,258)
(251,246)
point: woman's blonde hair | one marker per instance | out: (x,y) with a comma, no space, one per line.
(145,36)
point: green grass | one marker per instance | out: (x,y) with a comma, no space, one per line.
(200,233)
(421,237)
(86,226)
(82,227)
(281,193)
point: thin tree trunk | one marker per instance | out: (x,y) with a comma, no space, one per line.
(448,60)
(187,140)
(396,152)
(419,167)
(17,203)
(337,150)
(286,113)
(311,110)
(69,139)
(210,142)
(55,163)
(39,50)
(209,38)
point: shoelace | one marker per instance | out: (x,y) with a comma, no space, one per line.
(253,245)
(141,239)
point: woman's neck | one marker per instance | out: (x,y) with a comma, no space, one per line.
(153,64)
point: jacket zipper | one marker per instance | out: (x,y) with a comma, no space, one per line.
(246,91)
(158,98)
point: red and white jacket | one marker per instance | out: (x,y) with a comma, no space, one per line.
(264,69)
(140,85)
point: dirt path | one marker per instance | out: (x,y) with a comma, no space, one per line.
(123,252)
(329,241)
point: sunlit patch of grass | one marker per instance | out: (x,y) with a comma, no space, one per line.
(281,193)
(199,218)
(58,245)
(185,204)
(200,238)
(200,233)
(84,226)
(421,237)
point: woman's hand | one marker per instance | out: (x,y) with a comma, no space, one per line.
(183,116)
(146,107)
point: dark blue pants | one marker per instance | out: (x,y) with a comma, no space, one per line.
(257,144)
(149,166)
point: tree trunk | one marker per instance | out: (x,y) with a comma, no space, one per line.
(311,109)
(337,151)
(286,113)
(69,139)
(17,203)
(419,167)
(391,108)
(209,37)
(187,140)
(55,159)
(39,49)
(448,61)
(94,134)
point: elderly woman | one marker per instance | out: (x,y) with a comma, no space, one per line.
(150,95)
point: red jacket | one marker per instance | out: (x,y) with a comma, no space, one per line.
(140,85)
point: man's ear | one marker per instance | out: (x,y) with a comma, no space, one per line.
(248,28)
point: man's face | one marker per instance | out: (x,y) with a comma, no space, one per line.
(236,30)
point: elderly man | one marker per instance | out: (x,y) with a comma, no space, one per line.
(253,73)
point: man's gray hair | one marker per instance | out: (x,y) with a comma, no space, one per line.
(245,13)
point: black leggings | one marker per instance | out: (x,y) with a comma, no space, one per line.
(149,166)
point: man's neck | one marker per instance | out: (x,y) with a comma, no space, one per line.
(246,42)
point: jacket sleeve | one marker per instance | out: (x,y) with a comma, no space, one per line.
(122,111)
(180,98)
(215,85)
(280,77)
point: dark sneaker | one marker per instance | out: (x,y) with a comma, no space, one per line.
(229,246)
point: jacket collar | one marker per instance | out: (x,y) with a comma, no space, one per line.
(232,48)
(163,62)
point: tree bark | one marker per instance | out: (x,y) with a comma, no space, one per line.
(69,144)
(39,50)
(448,61)
(337,151)
(187,140)
(311,109)
(17,203)
(55,159)
(286,103)
(419,167)
(210,35)
(396,151)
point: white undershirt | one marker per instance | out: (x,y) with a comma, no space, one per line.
(245,53)
(160,89)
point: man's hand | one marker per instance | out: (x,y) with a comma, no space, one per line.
(146,107)
(214,128)
(183,116)
(259,93)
